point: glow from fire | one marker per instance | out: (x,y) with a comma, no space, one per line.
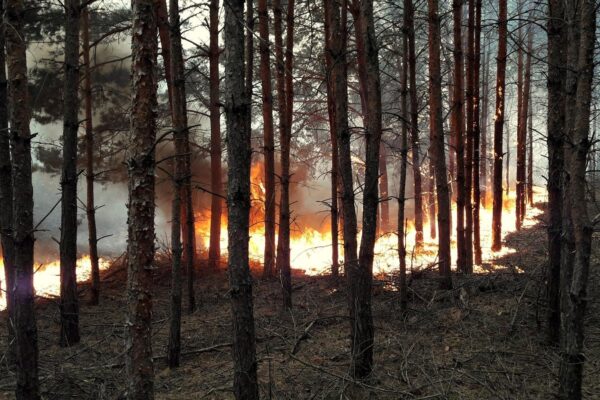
(311,248)
(46,277)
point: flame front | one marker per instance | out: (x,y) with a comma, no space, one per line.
(311,248)
(46,277)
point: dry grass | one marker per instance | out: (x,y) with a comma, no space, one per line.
(482,340)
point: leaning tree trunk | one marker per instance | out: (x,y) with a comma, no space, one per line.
(90,207)
(6,196)
(498,128)
(457,126)
(576,154)
(216,184)
(20,115)
(268,139)
(237,107)
(438,156)
(69,304)
(141,165)
(409,23)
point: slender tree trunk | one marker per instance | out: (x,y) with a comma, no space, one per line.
(483,158)
(384,190)
(507,152)
(140,165)
(431,190)
(6,198)
(438,156)
(409,22)
(498,128)
(469,105)
(181,179)
(530,151)
(174,344)
(216,183)
(522,150)
(162,20)
(69,303)
(557,58)
(237,107)
(20,115)
(335,266)
(520,173)
(476,136)
(89,161)
(457,124)
(285,99)
(576,153)
(269,144)
(249,67)
(402,287)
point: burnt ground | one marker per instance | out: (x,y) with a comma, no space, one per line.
(482,340)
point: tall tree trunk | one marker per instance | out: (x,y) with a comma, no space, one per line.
(483,156)
(469,106)
(6,198)
(498,128)
(403,64)
(285,84)
(384,190)
(362,335)
(329,38)
(431,190)
(249,67)
(409,22)
(90,206)
(141,165)
(216,183)
(237,107)
(520,173)
(522,150)
(182,184)
(268,139)
(20,115)
(438,156)
(476,135)
(457,126)
(557,58)
(577,147)
(530,151)
(69,303)
(162,21)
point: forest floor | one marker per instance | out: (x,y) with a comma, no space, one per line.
(482,340)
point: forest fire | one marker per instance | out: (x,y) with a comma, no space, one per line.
(311,248)
(46,278)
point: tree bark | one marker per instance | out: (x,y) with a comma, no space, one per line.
(181,182)
(20,115)
(6,199)
(237,107)
(468,266)
(457,126)
(483,157)
(530,151)
(216,183)
(520,173)
(409,22)
(268,140)
(402,286)
(141,165)
(69,303)
(522,147)
(498,128)
(328,8)
(577,147)
(438,157)
(89,161)
(363,332)
(476,136)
